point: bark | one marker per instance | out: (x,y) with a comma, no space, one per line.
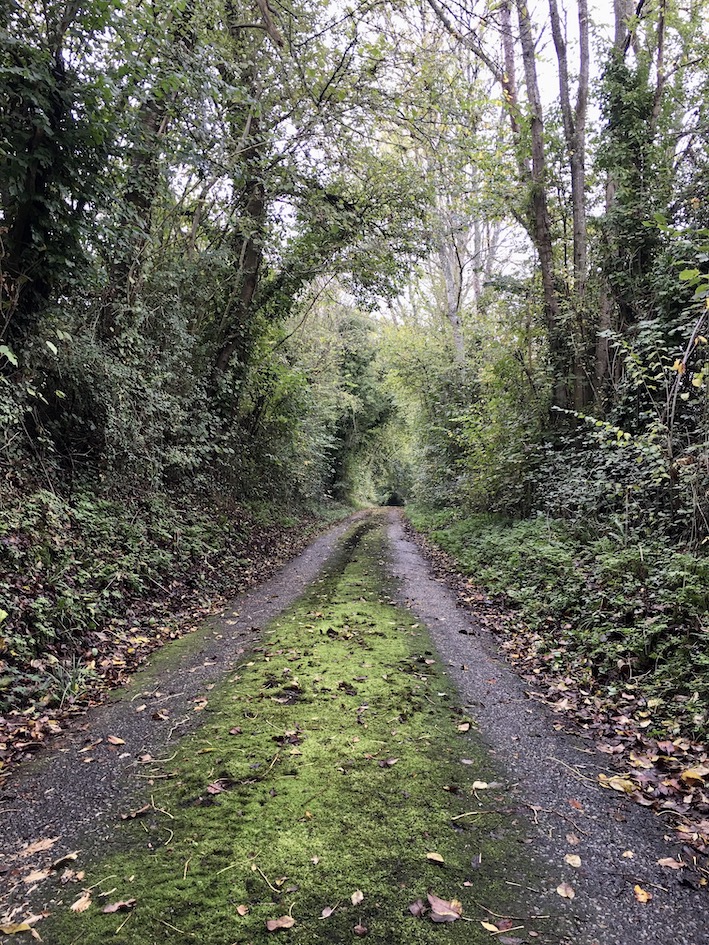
(539,210)
(622,10)
(452,279)
(134,222)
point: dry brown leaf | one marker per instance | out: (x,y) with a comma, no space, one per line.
(64,860)
(39,846)
(388,762)
(115,740)
(360,930)
(36,876)
(642,895)
(443,910)
(572,839)
(667,861)
(83,902)
(242,910)
(125,905)
(327,912)
(357,897)
(573,859)
(435,858)
(417,908)
(565,891)
(284,922)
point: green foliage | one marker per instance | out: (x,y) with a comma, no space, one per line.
(638,608)
(72,570)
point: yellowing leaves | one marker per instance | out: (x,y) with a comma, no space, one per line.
(642,895)
(435,858)
(695,775)
(616,783)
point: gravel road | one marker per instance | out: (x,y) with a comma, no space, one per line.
(75,790)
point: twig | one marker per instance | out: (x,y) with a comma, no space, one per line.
(225,870)
(259,870)
(160,810)
(547,810)
(174,928)
(157,761)
(275,759)
(172,834)
(187,866)
(574,770)
(495,914)
(127,918)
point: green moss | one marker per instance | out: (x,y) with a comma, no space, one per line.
(302,739)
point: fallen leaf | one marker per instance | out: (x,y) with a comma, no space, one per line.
(327,912)
(480,785)
(285,922)
(64,860)
(82,903)
(124,906)
(435,858)
(573,860)
(444,911)
(242,910)
(628,855)
(616,783)
(36,876)
(360,930)
(577,805)
(464,727)
(565,891)
(38,846)
(572,839)
(642,895)
(490,927)
(695,775)
(235,731)
(315,860)
(115,740)
(667,861)
(357,897)
(417,908)
(14,928)
(387,762)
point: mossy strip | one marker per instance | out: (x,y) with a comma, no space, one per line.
(330,762)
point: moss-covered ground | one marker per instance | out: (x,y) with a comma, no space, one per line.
(333,761)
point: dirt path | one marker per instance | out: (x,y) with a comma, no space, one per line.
(345,733)
(74,789)
(556,775)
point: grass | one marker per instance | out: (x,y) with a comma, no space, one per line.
(338,761)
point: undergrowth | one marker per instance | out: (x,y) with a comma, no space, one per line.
(332,763)
(614,610)
(87,582)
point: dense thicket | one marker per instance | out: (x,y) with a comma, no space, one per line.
(453,252)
